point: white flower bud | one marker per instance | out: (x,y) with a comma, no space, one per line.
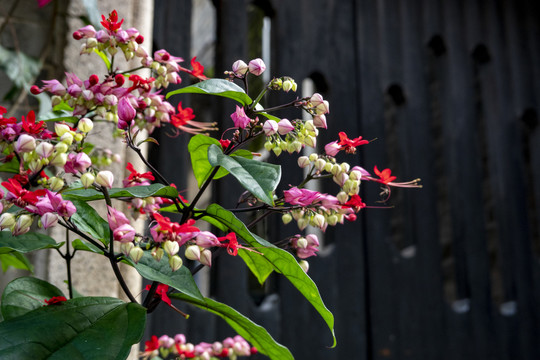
(304,265)
(303,161)
(193,252)
(175,262)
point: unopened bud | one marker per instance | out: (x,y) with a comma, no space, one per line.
(25,143)
(67,138)
(44,149)
(105,178)
(193,252)
(171,247)
(126,247)
(301,243)
(60,129)
(206,257)
(319,221)
(313,157)
(56,184)
(136,254)
(320,164)
(24,222)
(158,253)
(342,197)
(345,167)
(303,161)
(304,265)
(268,146)
(287,85)
(286,218)
(85,125)
(87,179)
(175,262)
(59,159)
(332,220)
(7,220)
(302,223)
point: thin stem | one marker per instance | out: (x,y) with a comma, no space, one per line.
(132,70)
(112,258)
(9,15)
(259,97)
(70,226)
(201,191)
(68,258)
(279,107)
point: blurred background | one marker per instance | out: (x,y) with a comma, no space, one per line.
(450,91)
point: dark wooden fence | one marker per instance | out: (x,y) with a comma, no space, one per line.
(451,90)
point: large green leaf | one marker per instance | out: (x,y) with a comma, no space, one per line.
(15,260)
(219,87)
(26,242)
(81,328)
(259,266)
(25,294)
(259,178)
(160,271)
(78,244)
(130,192)
(88,220)
(198,150)
(255,334)
(11,166)
(281,261)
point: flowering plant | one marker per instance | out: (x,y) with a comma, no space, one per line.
(58,175)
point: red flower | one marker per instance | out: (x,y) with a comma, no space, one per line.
(349,145)
(182,117)
(183,120)
(111,23)
(19,196)
(384,175)
(29,124)
(232,244)
(355,202)
(152,344)
(161,292)
(136,178)
(197,71)
(55,300)
(225,143)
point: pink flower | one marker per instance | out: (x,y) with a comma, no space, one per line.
(48,220)
(270,127)
(206,239)
(240,118)
(66,209)
(332,148)
(320,121)
(116,218)
(284,127)
(256,66)
(126,113)
(124,233)
(302,197)
(239,68)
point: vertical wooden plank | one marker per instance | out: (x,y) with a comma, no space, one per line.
(506,179)
(471,326)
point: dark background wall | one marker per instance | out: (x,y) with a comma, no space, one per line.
(450,89)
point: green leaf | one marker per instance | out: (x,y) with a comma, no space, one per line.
(259,266)
(259,178)
(130,192)
(255,334)
(198,150)
(15,260)
(26,242)
(219,87)
(10,167)
(88,220)
(180,279)
(103,57)
(281,261)
(25,294)
(78,244)
(81,328)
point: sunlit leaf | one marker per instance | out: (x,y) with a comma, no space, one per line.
(219,87)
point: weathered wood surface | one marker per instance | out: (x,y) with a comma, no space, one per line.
(451,90)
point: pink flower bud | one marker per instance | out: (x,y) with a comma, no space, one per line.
(44,149)
(270,127)
(88,31)
(240,68)
(256,66)
(124,233)
(22,225)
(25,143)
(206,257)
(48,220)
(105,178)
(126,113)
(320,121)
(332,148)
(66,208)
(284,127)
(206,239)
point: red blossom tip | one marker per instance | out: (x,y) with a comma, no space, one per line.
(77,35)
(139,39)
(35,90)
(119,79)
(94,79)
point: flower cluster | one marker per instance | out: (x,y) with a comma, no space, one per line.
(164,346)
